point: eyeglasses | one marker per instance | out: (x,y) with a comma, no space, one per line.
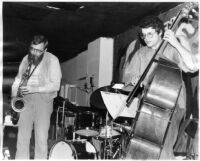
(36,50)
(148,35)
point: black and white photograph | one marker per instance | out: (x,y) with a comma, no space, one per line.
(99,80)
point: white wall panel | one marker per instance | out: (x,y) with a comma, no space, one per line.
(96,62)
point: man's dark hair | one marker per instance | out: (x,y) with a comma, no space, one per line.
(151,21)
(37,39)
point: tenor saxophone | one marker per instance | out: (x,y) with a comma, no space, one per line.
(18,102)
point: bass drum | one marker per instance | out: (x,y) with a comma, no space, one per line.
(78,149)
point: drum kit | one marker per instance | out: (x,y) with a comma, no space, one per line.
(89,133)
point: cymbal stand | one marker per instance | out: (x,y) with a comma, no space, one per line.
(108,148)
(63,113)
(104,151)
(113,142)
(118,151)
(63,126)
(57,126)
(62,122)
(110,143)
(74,129)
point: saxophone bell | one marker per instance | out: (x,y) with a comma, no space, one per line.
(18,104)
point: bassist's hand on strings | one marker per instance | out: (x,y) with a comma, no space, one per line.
(143,83)
(170,37)
(182,45)
(128,88)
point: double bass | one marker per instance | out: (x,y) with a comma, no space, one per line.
(157,105)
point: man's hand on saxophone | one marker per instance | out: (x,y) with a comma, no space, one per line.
(27,90)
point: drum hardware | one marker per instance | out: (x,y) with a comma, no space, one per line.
(76,124)
(123,127)
(57,126)
(117,151)
(87,87)
(108,148)
(65,121)
(110,141)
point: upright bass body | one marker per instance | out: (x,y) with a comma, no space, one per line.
(155,113)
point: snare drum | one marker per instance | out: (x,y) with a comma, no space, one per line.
(108,132)
(79,149)
(87,123)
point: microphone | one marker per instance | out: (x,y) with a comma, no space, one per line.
(91,81)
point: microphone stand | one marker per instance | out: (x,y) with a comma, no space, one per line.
(105,150)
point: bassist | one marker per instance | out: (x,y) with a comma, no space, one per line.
(151,30)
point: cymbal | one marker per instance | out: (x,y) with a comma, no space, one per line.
(96,99)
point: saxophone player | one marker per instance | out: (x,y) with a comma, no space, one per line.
(43,76)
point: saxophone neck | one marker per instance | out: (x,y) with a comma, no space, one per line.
(25,76)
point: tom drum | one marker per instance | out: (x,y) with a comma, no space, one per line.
(87,123)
